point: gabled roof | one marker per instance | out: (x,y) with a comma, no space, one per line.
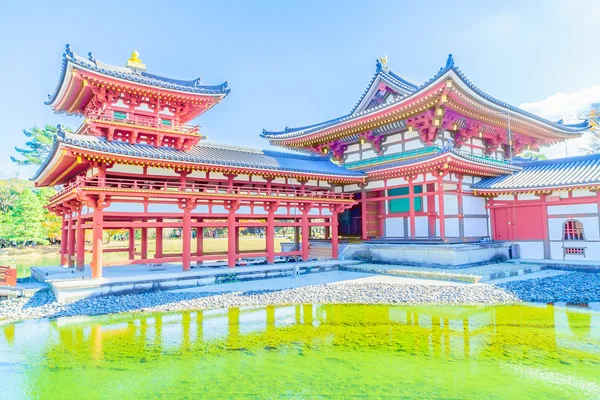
(206,153)
(141,77)
(551,174)
(449,71)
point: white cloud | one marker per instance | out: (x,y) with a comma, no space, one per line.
(569,107)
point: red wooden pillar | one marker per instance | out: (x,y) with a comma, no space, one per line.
(545,235)
(411,206)
(186,237)
(97,245)
(231,239)
(440,181)
(363,214)
(64,240)
(199,243)
(131,250)
(334,235)
(271,208)
(461,215)
(158,252)
(80,258)
(71,240)
(237,240)
(305,208)
(144,244)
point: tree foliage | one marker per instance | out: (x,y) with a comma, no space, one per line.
(23,218)
(38,145)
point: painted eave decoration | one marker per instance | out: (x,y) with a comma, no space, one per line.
(448,89)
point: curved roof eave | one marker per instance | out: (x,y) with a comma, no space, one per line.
(143,78)
(442,74)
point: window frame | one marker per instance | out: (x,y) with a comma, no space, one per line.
(573,231)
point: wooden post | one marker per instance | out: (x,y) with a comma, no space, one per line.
(64,240)
(144,245)
(305,208)
(159,240)
(411,206)
(440,181)
(363,214)
(80,240)
(97,244)
(186,238)
(71,240)
(271,208)
(131,250)
(231,239)
(199,243)
(461,215)
(334,235)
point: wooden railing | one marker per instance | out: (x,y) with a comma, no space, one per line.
(141,120)
(193,187)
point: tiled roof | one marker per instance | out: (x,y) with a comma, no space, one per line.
(145,78)
(563,172)
(296,132)
(212,154)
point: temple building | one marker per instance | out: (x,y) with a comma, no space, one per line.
(432,163)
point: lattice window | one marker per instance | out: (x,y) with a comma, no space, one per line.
(573,230)
(575,250)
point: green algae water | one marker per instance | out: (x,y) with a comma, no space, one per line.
(309,351)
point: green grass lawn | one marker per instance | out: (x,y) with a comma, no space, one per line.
(49,255)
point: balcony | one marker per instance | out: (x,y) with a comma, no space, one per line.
(146,186)
(144,121)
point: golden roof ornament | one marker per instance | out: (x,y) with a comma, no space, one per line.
(134,63)
(383,62)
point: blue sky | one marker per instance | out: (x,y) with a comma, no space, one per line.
(296,63)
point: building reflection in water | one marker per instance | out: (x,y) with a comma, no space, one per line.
(433,331)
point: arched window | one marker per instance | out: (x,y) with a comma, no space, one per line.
(573,230)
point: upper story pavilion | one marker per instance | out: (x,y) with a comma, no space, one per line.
(448,102)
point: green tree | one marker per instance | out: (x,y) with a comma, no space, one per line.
(27,219)
(52,223)
(38,145)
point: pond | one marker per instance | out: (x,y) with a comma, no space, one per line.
(309,351)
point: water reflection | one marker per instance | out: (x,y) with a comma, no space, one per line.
(347,340)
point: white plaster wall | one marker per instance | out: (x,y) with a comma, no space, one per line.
(394,227)
(475,227)
(368,154)
(592,250)
(276,180)
(353,147)
(197,174)
(374,185)
(257,178)
(474,205)
(532,250)
(338,189)
(476,142)
(452,229)
(583,193)
(450,204)
(162,171)
(394,148)
(352,157)
(569,209)
(351,188)
(477,151)
(129,169)
(411,135)
(527,196)
(504,197)
(243,178)
(591,230)
(421,228)
(396,181)
(393,138)
(412,144)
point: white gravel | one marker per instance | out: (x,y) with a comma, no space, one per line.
(43,305)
